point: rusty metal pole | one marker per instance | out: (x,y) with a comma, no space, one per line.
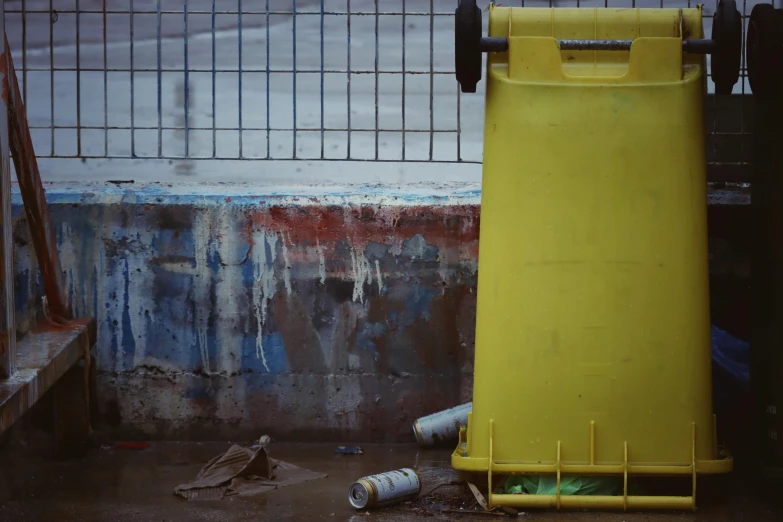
(7,318)
(33,195)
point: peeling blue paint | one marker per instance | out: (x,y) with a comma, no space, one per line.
(128,340)
(302,311)
(367,336)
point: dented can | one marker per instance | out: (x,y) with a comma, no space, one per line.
(441,427)
(385,488)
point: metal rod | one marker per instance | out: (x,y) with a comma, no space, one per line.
(322,78)
(293,72)
(239,75)
(7,317)
(403,78)
(132,86)
(78,83)
(595,45)
(500,45)
(51,66)
(105,86)
(24,48)
(214,91)
(256,158)
(348,83)
(273,129)
(186,81)
(377,55)
(244,70)
(268,123)
(699,46)
(234,12)
(160,84)
(432,79)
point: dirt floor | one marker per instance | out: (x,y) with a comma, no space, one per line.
(136,485)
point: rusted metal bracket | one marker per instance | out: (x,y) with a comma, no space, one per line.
(51,351)
(32,190)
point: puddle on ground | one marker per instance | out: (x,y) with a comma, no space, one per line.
(113,484)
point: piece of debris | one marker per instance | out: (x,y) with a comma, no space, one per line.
(478,496)
(349,450)
(441,427)
(263,441)
(508,511)
(472,512)
(485,505)
(132,446)
(385,488)
(243,471)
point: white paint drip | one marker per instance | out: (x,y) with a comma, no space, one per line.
(265,284)
(67,264)
(201,283)
(321,262)
(229,290)
(287,263)
(361,273)
(396,246)
(140,295)
(378,275)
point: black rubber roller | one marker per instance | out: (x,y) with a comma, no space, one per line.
(727,55)
(467,40)
(764,52)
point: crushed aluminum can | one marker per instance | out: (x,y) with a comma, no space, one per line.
(349,450)
(385,488)
(441,427)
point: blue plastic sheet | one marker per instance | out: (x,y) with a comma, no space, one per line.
(731,356)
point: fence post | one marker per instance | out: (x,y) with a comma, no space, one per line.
(7,320)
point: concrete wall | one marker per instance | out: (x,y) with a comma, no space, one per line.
(342,313)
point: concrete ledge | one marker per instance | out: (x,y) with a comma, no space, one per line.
(44,355)
(228,310)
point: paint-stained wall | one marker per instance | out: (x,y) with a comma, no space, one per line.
(341,315)
(225,311)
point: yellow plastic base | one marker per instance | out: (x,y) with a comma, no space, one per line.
(460,460)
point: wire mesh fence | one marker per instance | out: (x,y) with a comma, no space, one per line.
(272,79)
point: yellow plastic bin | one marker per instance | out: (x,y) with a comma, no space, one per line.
(593,352)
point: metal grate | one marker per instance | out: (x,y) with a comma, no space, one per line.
(269,79)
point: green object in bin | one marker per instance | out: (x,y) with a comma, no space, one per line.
(569,485)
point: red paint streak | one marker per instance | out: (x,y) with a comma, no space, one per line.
(449,227)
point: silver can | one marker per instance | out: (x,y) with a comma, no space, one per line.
(385,488)
(441,427)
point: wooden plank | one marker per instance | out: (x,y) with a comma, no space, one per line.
(45,355)
(33,195)
(7,318)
